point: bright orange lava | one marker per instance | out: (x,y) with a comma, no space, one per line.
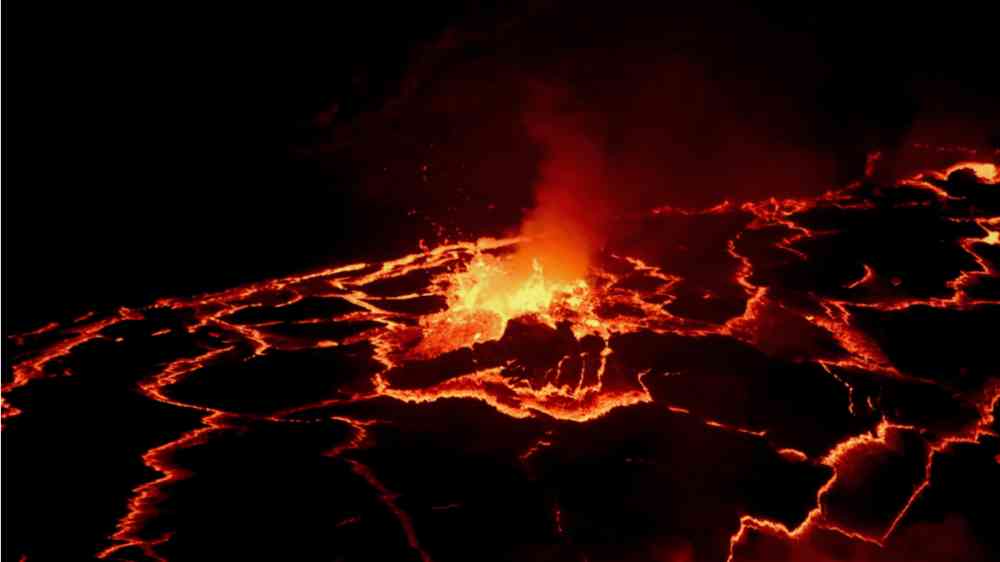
(985,171)
(489,293)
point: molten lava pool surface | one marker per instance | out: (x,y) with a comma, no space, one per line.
(799,379)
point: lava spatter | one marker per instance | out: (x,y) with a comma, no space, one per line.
(798,305)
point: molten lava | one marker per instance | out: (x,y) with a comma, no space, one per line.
(491,292)
(545,276)
(773,342)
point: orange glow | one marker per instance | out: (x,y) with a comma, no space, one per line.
(546,276)
(548,268)
(985,171)
(865,279)
(490,292)
(793,455)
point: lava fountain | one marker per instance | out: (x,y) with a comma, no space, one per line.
(546,275)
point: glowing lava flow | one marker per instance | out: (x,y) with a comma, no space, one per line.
(462,302)
(484,297)
(26,371)
(815,518)
(145,497)
(843,453)
(986,171)
(388,498)
(972,435)
(867,356)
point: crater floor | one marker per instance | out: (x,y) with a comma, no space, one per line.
(802,379)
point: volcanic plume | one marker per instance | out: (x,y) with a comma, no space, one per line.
(564,229)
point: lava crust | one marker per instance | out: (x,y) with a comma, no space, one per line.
(796,379)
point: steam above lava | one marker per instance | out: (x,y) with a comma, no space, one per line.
(559,235)
(566,226)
